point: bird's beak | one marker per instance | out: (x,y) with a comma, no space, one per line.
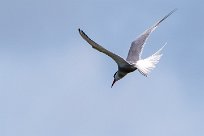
(113,83)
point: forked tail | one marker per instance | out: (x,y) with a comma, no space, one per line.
(144,66)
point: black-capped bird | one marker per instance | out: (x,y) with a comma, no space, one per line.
(133,60)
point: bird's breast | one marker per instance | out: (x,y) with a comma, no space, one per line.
(127,69)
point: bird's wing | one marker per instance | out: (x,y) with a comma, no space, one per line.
(119,60)
(136,48)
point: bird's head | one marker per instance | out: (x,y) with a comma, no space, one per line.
(117,76)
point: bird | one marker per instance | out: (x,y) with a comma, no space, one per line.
(133,61)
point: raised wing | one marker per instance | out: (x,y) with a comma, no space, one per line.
(119,60)
(136,48)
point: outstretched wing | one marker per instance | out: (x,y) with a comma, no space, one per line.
(135,51)
(119,60)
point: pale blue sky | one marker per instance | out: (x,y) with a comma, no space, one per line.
(52,83)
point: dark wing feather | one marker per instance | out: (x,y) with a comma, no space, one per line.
(137,45)
(119,60)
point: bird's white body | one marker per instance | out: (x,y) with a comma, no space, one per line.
(133,60)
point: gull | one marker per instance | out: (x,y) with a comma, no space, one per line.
(133,61)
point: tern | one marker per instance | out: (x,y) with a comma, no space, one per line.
(133,61)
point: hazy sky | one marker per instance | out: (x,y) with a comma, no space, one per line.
(52,83)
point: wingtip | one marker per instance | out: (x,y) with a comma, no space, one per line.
(174,9)
(79,29)
(81,32)
(165,17)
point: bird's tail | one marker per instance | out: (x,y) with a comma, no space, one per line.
(144,66)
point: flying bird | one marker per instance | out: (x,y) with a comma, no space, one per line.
(133,61)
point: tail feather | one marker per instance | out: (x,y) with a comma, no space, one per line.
(146,65)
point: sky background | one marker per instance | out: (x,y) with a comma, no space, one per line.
(52,83)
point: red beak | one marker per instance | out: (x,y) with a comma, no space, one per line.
(113,83)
